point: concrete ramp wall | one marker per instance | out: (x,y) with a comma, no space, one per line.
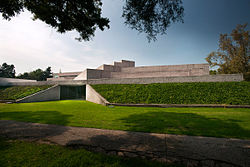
(93,96)
(50,94)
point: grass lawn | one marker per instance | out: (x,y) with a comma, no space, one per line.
(217,122)
(19,153)
(17,92)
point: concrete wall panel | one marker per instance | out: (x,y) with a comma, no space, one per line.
(49,94)
(149,74)
(93,96)
(82,76)
(206,78)
(13,81)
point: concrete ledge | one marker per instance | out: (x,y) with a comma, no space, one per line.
(181,105)
(60,82)
(204,78)
(13,81)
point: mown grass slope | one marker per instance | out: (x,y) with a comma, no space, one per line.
(178,93)
(217,122)
(17,92)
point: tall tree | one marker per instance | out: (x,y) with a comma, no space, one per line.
(37,74)
(7,71)
(150,16)
(233,55)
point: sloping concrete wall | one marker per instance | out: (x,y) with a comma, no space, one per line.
(93,96)
(60,82)
(82,76)
(13,81)
(50,94)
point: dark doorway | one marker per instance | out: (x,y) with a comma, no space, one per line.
(73,92)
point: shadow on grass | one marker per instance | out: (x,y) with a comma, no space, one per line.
(46,117)
(186,124)
(132,145)
(26,131)
(19,129)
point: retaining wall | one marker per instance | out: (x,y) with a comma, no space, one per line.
(11,81)
(93,96)
(205,78)
(50,94)
(162,71)
(60,82)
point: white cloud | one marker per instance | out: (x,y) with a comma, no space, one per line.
(32,44)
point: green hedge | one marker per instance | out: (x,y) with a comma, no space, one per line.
(178,93)
(17,92)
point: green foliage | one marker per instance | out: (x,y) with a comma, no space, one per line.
(152,17)
(247,76)
(178,93)
(7,71)
(217,122)
(212,72)
(17,92)
(20,154)
(38,75)
(233,55)
(64,15)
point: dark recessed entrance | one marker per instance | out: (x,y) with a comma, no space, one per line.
(73,92)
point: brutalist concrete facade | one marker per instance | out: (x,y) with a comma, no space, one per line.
(127,69)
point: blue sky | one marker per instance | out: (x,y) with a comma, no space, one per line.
(32,44)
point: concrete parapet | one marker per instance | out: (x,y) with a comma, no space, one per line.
(149,74)
(111,68)
(61,82)
(93,96)
(14,81)
(162,71)
(167,68)
(127,69)
(50,94)
(205,78)
(104,71)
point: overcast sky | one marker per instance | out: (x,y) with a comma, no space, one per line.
(32,44)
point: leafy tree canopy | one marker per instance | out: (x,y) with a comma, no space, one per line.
(233,55)
(84,16)
(150,16)
(7,71)
(38,75)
